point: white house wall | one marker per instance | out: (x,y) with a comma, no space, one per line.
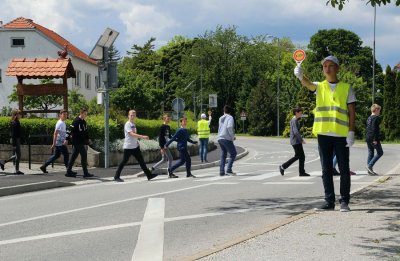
(38,45)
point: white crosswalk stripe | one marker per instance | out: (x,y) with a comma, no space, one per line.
(263,176)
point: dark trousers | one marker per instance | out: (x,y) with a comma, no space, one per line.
(372,159)
(184,158)
(78,149)
(59,150)
(298,155)
(16,157)
(138,156)
(327,146)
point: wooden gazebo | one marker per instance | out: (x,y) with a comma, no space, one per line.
(41,68)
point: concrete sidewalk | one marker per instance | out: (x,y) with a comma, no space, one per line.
(370,231)
(35,180)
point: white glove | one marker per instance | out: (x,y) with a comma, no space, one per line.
(350,139)
(298,71)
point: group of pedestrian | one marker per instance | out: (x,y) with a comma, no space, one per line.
(334,126)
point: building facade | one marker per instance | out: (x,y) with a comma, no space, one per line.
(22,38)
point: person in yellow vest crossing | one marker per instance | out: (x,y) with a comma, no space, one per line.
(334,125)
(203,132)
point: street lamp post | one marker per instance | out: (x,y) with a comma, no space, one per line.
(277,83)
(373,61)
(201,82)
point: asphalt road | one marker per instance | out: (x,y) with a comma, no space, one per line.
(172,219)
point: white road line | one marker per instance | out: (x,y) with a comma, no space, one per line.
(100,205)
(213,178)
(67,233)
(289,183)
(150,243)
(263,176)
(315,173)
(29,184)
(300,178)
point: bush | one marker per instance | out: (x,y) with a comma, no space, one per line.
(45,127)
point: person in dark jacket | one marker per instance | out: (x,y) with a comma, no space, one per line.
(373,138)
(182,137)
(163,137)
(80,138)
(15,141)
(296,140)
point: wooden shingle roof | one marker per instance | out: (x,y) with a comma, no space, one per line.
(40,68)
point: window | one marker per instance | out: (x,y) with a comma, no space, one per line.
(87,81)
(78,78)
(17,42)
(96,82)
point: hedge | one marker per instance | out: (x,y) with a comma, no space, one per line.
(45,127)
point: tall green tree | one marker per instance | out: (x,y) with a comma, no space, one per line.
(389,108)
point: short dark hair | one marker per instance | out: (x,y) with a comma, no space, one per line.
(82,110)
(297,109)
(227,109)
(183,118)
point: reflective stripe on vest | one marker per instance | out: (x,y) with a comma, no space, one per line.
(203,130)
(331,114)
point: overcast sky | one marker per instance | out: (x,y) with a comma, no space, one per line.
(83,21)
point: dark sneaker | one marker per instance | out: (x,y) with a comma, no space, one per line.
(118,179)
(190,176)
(2,164)
(231,173)
(370,171)
(43,169)
(18,172)
(353,173)
(281,170)
(304,175)
(222,174)
(88,175)
(326,207)
(172,176)
(71,174)
(344,207)
(335,172)
(151,176)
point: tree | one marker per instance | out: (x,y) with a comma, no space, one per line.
(389,108)
(340,3)
(47,102)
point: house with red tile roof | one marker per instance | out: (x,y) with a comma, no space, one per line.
(22,38)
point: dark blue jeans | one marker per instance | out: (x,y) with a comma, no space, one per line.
(372,159)
(226,147)
(328,145)
(59,150)
(203,148)
(184,158)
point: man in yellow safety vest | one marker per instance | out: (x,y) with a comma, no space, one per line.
(334,125)
(203,131)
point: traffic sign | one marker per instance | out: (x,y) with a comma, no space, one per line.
(178,104)
(299,56)
(212,101)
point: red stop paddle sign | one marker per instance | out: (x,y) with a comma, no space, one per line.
(299,56)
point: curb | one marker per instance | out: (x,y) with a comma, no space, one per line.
(18,189)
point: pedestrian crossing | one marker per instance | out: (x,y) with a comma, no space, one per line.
(263,177)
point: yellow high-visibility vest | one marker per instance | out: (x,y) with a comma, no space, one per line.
(331,113)
(203,130)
